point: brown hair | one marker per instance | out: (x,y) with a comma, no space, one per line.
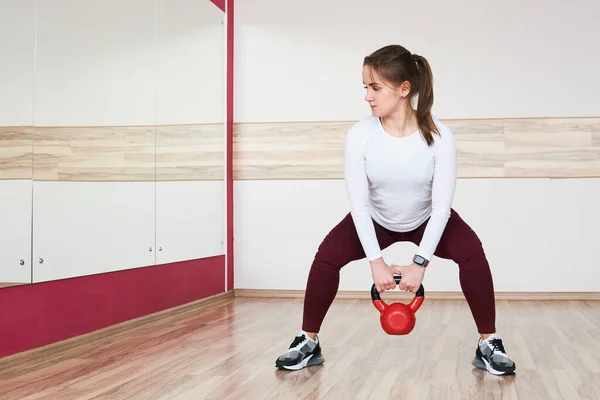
(395,64)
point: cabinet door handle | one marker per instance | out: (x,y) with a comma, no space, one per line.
(41,260)
(22,262)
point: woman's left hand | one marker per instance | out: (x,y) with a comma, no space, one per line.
(412,276)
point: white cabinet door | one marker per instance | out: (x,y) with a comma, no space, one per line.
(190,220)
(83,228)
(15,232)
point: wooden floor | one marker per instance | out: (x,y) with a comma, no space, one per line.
(227,350)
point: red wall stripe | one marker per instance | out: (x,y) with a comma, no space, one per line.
(219,3)
(39,314)
(229,144)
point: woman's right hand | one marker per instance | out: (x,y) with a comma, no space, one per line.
(383,275)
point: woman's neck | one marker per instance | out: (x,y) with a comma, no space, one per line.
(400,124)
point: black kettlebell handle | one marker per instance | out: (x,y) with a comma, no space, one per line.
(375,294)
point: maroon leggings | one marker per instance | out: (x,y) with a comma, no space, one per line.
(458,243)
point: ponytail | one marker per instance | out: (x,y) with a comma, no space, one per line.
(425,103)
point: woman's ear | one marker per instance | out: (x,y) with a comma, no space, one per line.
(404,89)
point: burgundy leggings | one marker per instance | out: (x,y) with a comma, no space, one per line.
(458,243)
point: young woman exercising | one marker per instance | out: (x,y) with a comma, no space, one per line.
(400,170)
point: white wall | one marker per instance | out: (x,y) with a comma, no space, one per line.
(533,232)
(134,62)
(110,63)
(301,61)
(17,46)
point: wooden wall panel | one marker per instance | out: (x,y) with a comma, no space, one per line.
(190,152)
(493,148)
(16,158)
(551,147)
(146,153)
(94,153)
(293,150)
(596,134)
(536,147)
(480,147)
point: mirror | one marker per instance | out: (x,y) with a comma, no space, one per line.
(94,138)
(190,130)
(112,136)
(17,44)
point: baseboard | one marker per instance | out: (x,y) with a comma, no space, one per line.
(116,329)
(398,295)
(11,284)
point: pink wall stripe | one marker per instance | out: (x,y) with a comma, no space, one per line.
(219,3)
(36,315)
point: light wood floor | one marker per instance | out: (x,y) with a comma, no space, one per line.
(227,349)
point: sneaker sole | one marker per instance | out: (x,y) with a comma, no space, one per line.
(482,364)
(307,362)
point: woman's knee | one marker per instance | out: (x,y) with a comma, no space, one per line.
(472,256)
(461,244)
(330,255)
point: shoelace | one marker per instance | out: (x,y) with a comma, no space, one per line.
(297,341)
(497,345)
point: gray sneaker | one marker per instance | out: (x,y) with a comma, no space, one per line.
(491,356)
(303,352)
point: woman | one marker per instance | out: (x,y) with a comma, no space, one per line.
(400,170)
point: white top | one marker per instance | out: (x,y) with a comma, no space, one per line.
(399,183)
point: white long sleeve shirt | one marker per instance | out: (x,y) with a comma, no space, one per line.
(399,183)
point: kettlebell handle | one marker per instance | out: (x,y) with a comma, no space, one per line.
(375,294)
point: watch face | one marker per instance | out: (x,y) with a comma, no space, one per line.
(419,260)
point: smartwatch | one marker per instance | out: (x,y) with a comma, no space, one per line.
(420,261)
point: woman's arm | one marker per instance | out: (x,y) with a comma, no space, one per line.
(444,185)
(357,188)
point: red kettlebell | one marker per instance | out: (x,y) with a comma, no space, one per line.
(398,318)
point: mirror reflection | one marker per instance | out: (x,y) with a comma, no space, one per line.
(112,136)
